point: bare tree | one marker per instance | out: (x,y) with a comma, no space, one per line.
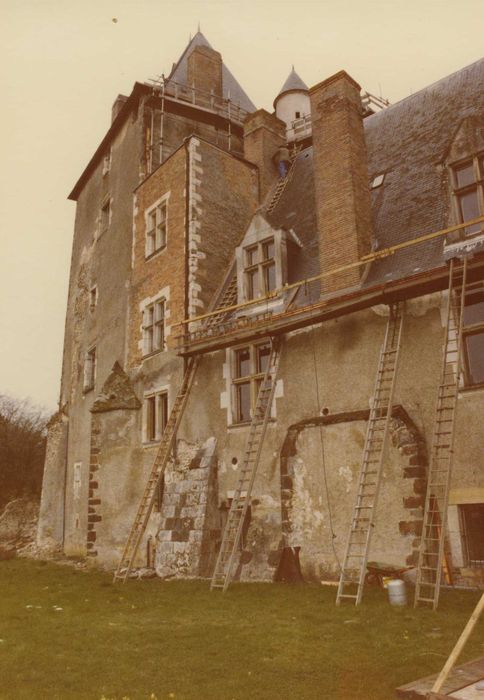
(22,448)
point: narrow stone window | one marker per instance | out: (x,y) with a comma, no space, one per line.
(105,216)
(156,228)
(154,327)
(92,298)
(107,162)
(250,364)
(468,181)
(90,369)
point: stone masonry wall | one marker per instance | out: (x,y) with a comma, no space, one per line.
(189,531)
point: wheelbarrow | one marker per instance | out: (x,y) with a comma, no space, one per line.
(378,572)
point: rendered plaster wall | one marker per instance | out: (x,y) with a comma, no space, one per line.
(345,353)
(101,259)
(116,486)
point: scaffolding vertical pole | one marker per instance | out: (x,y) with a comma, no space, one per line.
(162,118)
(230,125)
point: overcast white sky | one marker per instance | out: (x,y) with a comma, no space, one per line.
(63,62)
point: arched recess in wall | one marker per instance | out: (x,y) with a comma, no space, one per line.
(309,525)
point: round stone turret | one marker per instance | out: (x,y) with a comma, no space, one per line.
(292,105)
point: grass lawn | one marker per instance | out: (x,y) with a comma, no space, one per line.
(70,634)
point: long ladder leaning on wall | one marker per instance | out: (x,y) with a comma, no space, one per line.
(162,458)
(353,571)
(235,521)
(432,548)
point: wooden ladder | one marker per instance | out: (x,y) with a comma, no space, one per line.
(235,521)
(283,182)
(432,552)
(161,460)
(353,572)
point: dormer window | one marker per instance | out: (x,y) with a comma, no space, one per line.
(260,269)
(468,181)
(261,261)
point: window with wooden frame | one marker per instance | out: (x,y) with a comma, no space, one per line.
(473,334)
(468,188)
(154,327)
(90,369)
(260,269)
(156,228)
(156,416)
(249,366)
(472,527)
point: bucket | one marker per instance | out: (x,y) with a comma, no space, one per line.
(396,592)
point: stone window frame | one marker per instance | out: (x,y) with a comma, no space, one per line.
(256,240)
(154,224)
(252,379)
(470,329)
(90,369)
(154,327)
(155,415)
(461,189)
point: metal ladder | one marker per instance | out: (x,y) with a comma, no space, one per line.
(283,182)
(235,522)
(358,544)
(161,460)
(432,548)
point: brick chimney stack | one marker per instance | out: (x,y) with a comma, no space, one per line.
(205,70)
(343,204)
(264,134)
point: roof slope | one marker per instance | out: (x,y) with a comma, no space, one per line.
(230,86)
(293,82)
(408,142)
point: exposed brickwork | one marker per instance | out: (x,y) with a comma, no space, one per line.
(165,269)
(343,206)
(264,134)
(205,70)
(93,515)
(228,199)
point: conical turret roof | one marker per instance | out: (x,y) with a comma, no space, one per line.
(293,82)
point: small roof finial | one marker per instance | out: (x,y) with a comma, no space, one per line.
(199,30)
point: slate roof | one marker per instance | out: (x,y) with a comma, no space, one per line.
(230,86)
(408,142)
(293,82)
